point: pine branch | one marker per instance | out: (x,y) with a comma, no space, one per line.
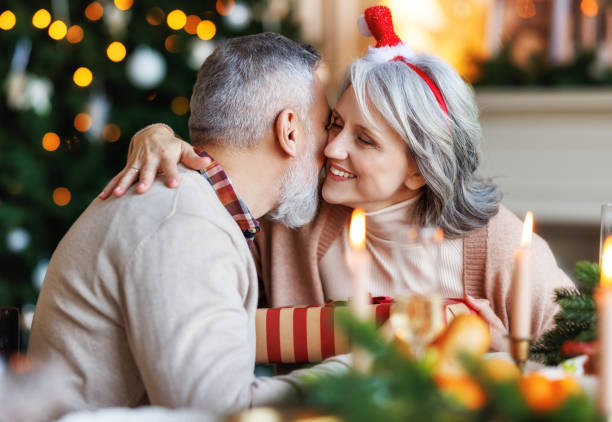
(587,273)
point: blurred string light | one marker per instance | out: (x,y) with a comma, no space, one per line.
(74,34)
(191,27)
(206,30)
(116,51)
(18,239)
(7,20)
(180,106)
(123,4)
(239,17)
(57,30)
(173,43)
(50,141)
(225,7)
(82,77)
(94,11)
(61,196)
(155,16)
(200,50)
(589,7)
(146,67)
(111,132)
(41,19)
(525,8)
(176,19)
(82,122)
(38,275)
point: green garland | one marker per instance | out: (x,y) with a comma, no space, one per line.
(576,319)
(400,389)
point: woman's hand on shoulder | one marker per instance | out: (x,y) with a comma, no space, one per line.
(152,150)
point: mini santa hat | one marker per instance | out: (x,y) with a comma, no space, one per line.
(376,21)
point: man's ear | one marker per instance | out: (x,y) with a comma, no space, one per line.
(414,181)
(286,128)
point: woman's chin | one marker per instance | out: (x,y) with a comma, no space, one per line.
(328,193)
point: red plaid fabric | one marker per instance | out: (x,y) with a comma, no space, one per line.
(222,185)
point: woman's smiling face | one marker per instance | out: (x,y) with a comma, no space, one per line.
(367,166)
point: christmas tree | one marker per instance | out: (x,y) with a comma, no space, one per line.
(79,79)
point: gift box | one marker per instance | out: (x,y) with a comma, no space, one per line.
(307,334)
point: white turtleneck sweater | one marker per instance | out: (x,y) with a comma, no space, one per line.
(383,228)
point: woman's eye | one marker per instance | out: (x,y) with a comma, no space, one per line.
(366,142)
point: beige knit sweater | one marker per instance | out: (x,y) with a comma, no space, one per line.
(289,264)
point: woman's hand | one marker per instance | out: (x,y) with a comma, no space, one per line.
(152,150)
(499,334)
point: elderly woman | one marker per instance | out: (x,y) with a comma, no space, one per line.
(403,145)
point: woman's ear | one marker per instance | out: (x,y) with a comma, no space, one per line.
(414,181)
(286,131)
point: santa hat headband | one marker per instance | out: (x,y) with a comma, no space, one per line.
(378,22)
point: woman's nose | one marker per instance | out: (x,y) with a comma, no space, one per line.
(335,148)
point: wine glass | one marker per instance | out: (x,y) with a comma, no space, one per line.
(606,227)
(416,317)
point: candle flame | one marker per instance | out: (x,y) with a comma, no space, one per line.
(606,262)
(357,230)
(527,230)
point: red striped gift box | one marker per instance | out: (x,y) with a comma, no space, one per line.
(307,334)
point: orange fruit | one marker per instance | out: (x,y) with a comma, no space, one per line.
(463,389)
(540,393)
(500,370)
(567,387)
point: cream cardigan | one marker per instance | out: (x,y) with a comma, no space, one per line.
(288,264)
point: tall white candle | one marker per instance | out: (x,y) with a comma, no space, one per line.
(495,26)
(358,261)
(608,42)
(603,298)
(561,48)
(520,324)
(588,32)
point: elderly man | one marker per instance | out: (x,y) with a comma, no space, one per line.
(152,299)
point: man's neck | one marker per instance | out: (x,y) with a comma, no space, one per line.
(253,182)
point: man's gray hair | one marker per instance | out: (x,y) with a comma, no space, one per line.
(245,83)
(445,148)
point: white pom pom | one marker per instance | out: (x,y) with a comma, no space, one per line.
(363,26)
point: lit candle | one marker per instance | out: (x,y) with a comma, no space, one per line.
(603,298)
(588,26)
(358,261)
(520,326)
(561,49)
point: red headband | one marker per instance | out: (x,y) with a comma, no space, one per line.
(428,81)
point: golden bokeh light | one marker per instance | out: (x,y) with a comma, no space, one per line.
(206,30)
(173,43)
(82,122)
(116,51)
(82,77)
(225,7)
(41,19)
(94,11)
(74,34)
(57,30)
(180,106)
(7,20)
(589,7)
(50,141)
(191,27)
(176,19)
(155,16)
(61,196)
(123,4)
(111,132)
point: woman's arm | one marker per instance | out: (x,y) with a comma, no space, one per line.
(153,149)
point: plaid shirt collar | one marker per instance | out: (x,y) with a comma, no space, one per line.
(222,185)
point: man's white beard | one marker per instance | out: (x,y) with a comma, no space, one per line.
(299,193)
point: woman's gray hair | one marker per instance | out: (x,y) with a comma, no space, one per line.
(445,148)
(245,83)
